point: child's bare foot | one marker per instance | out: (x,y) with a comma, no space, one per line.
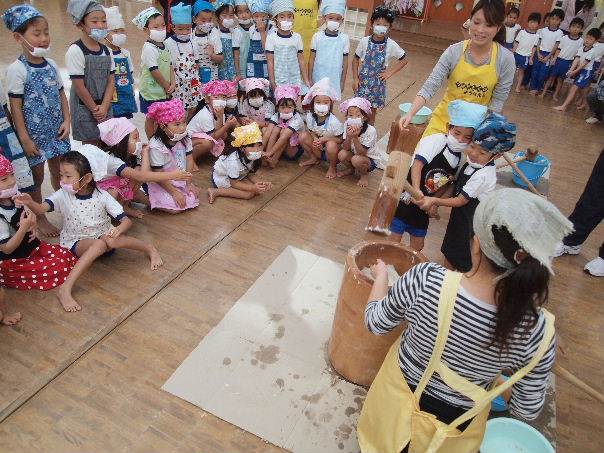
(533,92)
(67,300)
(307,163)
(560,108)
(133,212)
(45,228)
(542,95)
(331,173)
(211,195)
(582,107)
(346,172)
(517,89)
(10,319)
(555,98)
(363,181)
(155,258)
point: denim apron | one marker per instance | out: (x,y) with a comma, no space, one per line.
(256,65)
(226,69)
(123,104)
(11,149)
(371,87)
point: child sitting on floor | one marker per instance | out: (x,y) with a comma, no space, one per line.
(283,139)
(435,164)
(255,106)
(87,215)
(231,170)
(324,136)
(478,177)
(358,151)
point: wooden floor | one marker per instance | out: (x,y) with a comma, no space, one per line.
(91,381)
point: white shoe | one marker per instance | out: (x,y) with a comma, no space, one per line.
(562,249)
(592,120)
(595,267)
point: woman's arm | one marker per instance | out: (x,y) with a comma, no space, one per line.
(506,68)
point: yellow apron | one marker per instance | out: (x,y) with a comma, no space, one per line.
(391,417)
(305,22)
(468,82)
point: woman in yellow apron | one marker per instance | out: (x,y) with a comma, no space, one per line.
(479,70)
(306,13)
(434,390)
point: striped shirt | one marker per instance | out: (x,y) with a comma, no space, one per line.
(414,298)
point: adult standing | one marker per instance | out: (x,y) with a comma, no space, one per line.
(306,13)
(463,330)
(479,70)
(585,9)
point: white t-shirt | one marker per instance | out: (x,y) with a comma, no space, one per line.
(150,56)
(276,40)
(331,127)
(429,147)
(295,123)
(230,167)
(526,41)
(393,50)
(481,183)
(368,139)
(103,165)
(548,38)
(586,55)
(6,230)
(569,47)
(75,61)
(598,51)
(16,75)
(201,42)
(204,122)
(510,33)
(160,156)
(255,35)
(321,36)
(84,217)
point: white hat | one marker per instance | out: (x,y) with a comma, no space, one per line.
(114,18)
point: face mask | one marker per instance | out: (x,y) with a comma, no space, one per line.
(138,149)
(10,192)
(219,104)
(98,34)
(455,145)
(321,109)
(228,23)
(245,21)
(157,35)
(118,39)
(474,164)
(231,103)
(177,137)
(69,187)
(39,52)
(354,122)
(286,25)
(254,155)
(380,29)
(286,116)
(206,27)
(186,37)
(333,25)
(256,102)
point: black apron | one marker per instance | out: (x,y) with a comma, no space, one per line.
(410,213)
(25,248)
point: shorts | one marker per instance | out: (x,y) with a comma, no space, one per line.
(560,68)
(399,226)
(509,45)
(108,253)
(521,61)
(583,80)
(594,71)
(145,103)
(372,164)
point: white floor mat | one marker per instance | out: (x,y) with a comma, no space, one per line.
(264,367)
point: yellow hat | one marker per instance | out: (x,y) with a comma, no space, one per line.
(246,135)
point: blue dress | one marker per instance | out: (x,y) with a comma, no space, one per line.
(371,87)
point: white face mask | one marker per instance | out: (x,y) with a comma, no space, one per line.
(206,27)
(474,164)
(186,37)
(333,25)
(157,35)
(455,145)
(254,155)
(256,102)
(38,52)
(219,104)
(176,137)
(138,149)
(118,39)
(354,122)
(286,25)
(380,29)
(231,103)
(321,109)
(245,21)
(286,116)
(228,23)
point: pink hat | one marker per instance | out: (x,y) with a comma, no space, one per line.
(166,111)
(255,83)
(115,129)
(321,88)
(361,103)
(231,88)
(217,87)
(6,168)
(288,92)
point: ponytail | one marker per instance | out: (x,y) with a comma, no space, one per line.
(519,293)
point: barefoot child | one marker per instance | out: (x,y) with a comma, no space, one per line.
(568,46)
(170,149)
(123,103)
(255,106)
(324,136)
(525,46)
(232,175)
(286,124)
(358,150)
(511,27)
(90,67)
(548,38)
(371,60)
(157,81)
(206,39)
(87,214)
(435,164)
(478,177)
(6,317)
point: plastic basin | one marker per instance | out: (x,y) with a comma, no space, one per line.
(420,117)
(532,170)
(507,435)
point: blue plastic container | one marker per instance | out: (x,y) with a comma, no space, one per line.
(532,170)
(420,117)
(507,435)
(499,404)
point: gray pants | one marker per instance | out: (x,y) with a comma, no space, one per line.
(595,106)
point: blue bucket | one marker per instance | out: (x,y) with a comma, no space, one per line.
(507,435)
(532,170)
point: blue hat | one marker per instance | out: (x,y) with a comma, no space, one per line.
(220,3)
(181,14)
(466,114)
(202,5)
(281,6)
(17,15)
(240,2)
(495,134)
(259,6)
(333,7)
